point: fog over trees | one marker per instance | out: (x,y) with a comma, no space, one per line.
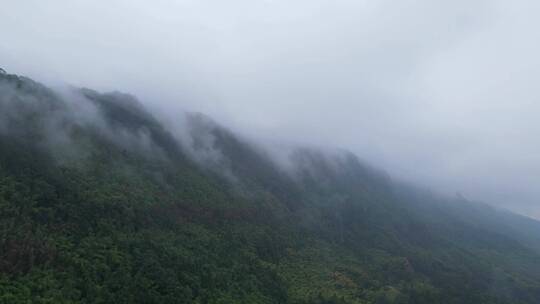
(442,94)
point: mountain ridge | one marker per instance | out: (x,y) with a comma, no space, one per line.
(110,205)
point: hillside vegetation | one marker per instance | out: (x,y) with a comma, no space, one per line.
(102,203)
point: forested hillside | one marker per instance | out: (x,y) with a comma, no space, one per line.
(100,202)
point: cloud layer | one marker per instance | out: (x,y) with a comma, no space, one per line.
(441,93)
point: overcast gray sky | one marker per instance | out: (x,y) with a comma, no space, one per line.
(441,93)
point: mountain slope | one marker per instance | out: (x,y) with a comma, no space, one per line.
(101,203)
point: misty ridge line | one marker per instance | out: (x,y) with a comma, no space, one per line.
(62,114)
(441,94)
(58,114)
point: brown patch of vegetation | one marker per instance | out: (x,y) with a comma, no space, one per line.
(20,255)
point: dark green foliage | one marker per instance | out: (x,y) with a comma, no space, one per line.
(101,216)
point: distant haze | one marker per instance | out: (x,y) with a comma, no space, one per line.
(441,93)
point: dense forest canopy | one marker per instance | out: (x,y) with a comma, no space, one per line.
(100,202)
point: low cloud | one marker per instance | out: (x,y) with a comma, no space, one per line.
(439,93)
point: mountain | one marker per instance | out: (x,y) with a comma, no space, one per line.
(101,202)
